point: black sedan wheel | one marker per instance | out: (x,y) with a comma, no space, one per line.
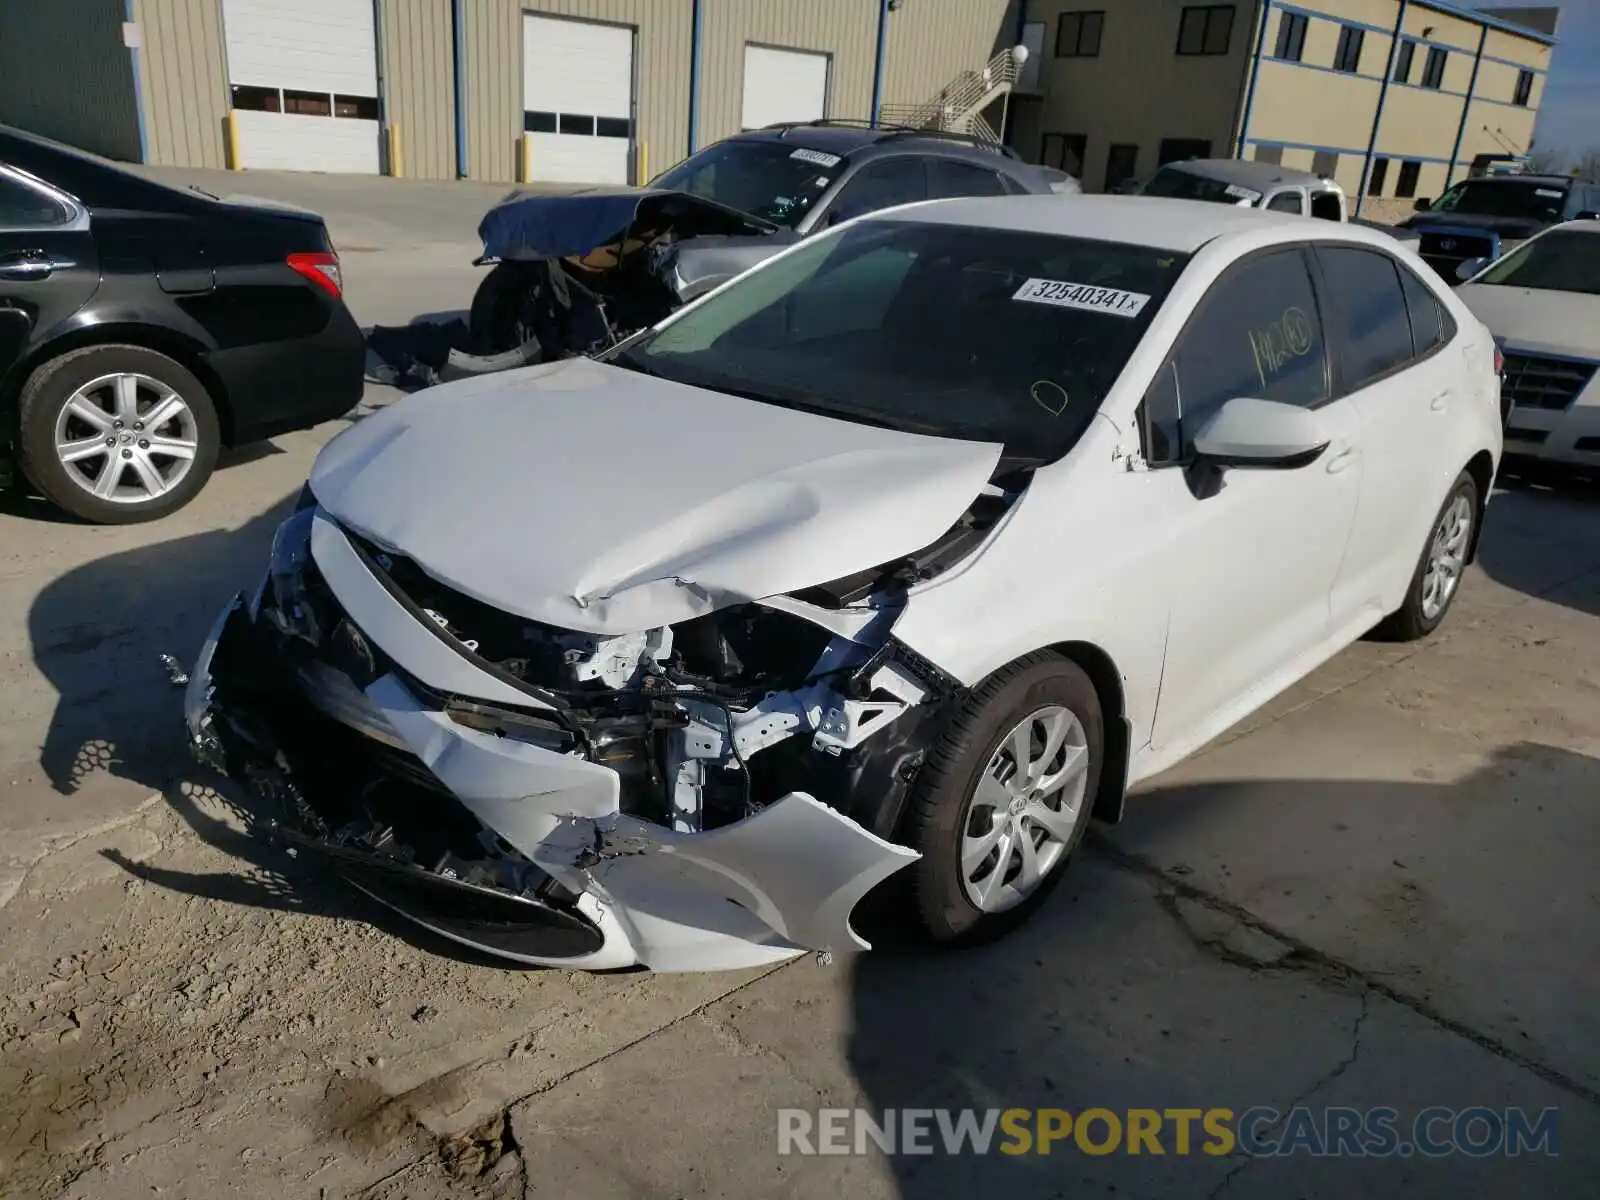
(117,434)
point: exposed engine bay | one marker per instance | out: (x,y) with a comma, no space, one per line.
(715,792)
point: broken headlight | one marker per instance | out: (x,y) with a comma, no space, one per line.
(285,602)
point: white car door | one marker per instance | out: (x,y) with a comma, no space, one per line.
(1251,553)
(1389,337)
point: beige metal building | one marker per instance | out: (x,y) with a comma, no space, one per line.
(548,90)
(1393,98)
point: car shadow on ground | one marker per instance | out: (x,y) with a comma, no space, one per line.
(1542,534)
(1131,989)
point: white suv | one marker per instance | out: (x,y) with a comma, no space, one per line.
(902,554)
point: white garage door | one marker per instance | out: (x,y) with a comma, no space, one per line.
(783,85)
(304,76)
(577,100)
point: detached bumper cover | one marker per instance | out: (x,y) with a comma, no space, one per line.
(510,847)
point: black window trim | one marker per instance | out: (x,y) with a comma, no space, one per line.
(1341,388)
(1303,249)
(1206,11)
(77,215)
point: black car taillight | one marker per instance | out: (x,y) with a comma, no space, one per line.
(321,268)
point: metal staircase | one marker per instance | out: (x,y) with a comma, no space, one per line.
(959,106)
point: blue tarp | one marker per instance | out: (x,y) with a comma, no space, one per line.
(558,226)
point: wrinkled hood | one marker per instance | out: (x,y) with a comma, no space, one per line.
(557,226)
(1538,320)
(591,497)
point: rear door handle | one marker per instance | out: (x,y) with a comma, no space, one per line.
(1343,458)
(1440,402)
(28,265)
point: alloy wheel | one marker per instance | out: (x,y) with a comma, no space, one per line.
(1021,817)
(1447,557)
(126,438)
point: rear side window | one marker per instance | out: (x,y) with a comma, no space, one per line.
(1431,326)
(1368,324)
(881,185)
(1257,333)
(25,207)
(952,178)
(1287,202)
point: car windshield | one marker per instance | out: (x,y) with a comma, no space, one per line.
(1177,184)
(1560,261)
(1504,198)
(776,181)
(950,330)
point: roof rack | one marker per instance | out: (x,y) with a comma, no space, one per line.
(893,131)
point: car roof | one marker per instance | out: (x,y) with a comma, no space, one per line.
(846,138)
(1247,173)
(1547,180)
(1160,223)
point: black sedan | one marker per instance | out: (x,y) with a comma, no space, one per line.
(144,327)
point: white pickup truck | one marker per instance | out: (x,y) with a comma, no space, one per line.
(1260,185)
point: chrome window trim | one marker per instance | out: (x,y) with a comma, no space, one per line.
(78,222)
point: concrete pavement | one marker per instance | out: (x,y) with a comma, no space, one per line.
(1379,891)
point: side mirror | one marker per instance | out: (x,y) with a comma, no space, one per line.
(1423,204)
(1587,214)
(1246,432)
(1470,268)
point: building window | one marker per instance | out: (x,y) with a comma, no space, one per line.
(362,108)
(1078,34)
(257,99)
(1524,89)
(1380,172)
(1181,150)
(1270,154)
(1206,30)
(308,104)
(1433,69)
(1405,186)
(1402,61)
(1348,57)
(1291,37)
(1325,163)
(539,122)
(1064,151)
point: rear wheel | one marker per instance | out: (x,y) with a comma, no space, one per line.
(117,434)
(496,321)
(1444,560)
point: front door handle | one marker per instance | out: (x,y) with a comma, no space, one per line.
(1440,402)
(1345,457)
(31,265)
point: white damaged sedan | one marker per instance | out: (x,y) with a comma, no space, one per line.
(902,555)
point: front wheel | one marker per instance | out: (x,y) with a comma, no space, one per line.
(1004,799)
(1437,578)
(496,322)
(117,434)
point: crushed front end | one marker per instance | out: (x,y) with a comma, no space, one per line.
(713,794)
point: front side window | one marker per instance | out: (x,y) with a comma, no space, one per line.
(882,184)
(1287,202)
(953,331)
(23,206)
(1563,260)
(1206,30)
(774,181)
(1528,199)
(1257,333)
(1367,317)
(1078,34)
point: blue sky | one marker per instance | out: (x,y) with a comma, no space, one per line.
(1569,116)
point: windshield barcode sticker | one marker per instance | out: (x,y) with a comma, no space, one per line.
(1082,295)
(1240,193)
(819,157)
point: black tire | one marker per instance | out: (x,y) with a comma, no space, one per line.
(46,394)
(938,808)
(1410,622)
(496,312)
